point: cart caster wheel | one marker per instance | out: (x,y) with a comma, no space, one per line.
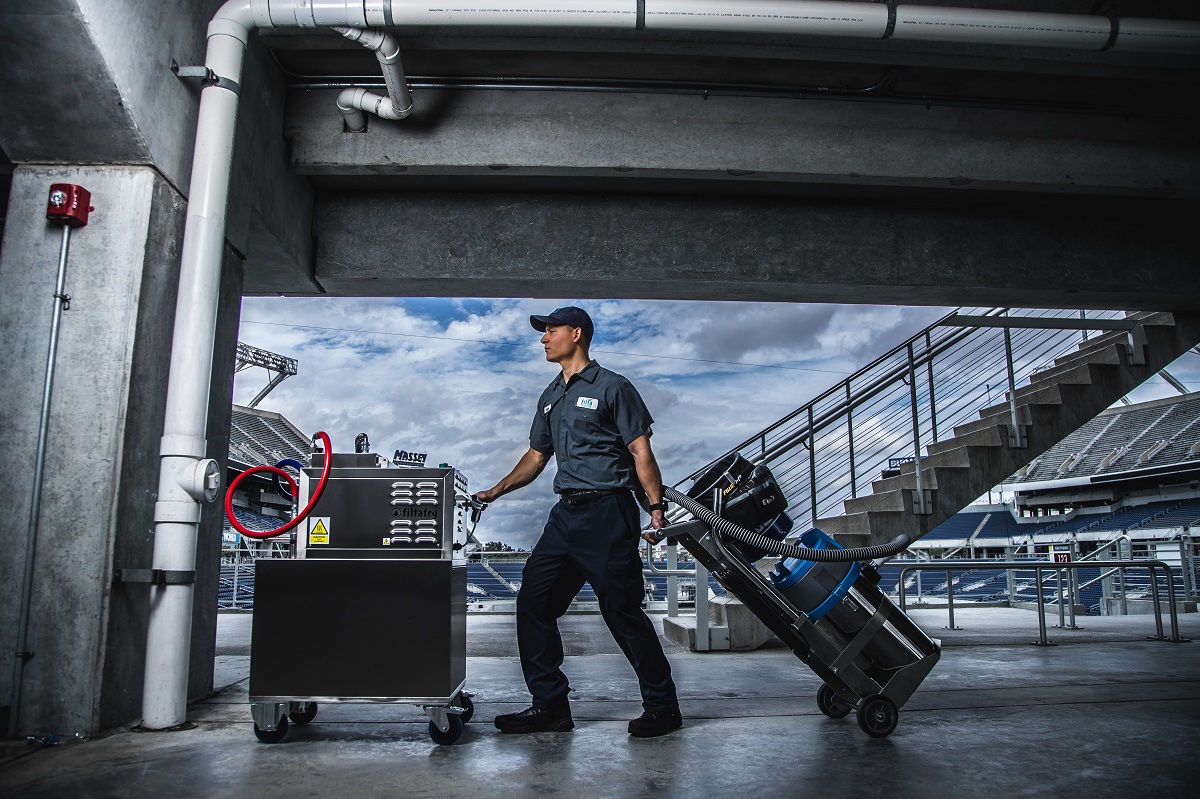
(877,715)
(831,704)
(449,736)
(272,737)
(467,705)
(304,716)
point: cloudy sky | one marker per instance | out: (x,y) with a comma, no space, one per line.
(458,378)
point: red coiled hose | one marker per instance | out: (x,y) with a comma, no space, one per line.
(312,501)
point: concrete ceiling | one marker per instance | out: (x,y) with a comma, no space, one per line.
(661,128)
(664,128)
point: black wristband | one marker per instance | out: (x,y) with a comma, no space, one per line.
(658,506)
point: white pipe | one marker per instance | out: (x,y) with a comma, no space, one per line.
(177,511)
(353,102)
(185,478)
(984,26)
(925,23)
(866,20)
(531,13)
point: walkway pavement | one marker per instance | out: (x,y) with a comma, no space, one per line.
(1106,713)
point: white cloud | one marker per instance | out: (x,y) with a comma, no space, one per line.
(459,378)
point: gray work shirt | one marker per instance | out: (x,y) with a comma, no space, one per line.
(588,424)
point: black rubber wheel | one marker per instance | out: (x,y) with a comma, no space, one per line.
(272,737)
(449,736)
(466,704)
(877,715)
(831,704)
(304,716)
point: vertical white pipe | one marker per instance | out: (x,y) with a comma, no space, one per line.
(177,511)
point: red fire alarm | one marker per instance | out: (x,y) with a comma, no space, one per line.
(69,204)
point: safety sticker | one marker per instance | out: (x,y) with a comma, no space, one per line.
(319,533)
(587,402)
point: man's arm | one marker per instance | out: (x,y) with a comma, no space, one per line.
(525,472)
(650,477)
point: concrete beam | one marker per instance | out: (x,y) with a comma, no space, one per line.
(747,142)
(590,246)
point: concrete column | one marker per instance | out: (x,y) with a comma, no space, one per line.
(86,631)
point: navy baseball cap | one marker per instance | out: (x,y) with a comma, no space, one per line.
(569,315)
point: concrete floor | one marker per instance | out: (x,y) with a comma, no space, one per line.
(1106,713)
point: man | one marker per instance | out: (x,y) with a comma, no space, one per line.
(595,424)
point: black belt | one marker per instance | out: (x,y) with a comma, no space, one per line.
(578,496)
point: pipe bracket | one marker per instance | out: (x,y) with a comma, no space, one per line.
(156,576)
(206,75)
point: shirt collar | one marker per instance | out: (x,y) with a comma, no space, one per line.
(587,373)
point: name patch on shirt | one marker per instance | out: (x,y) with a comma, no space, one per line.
(587,402)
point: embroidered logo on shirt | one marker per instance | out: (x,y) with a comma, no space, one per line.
(546,410)
(587,402)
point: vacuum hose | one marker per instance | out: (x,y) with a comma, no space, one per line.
(739,533)
(278,472)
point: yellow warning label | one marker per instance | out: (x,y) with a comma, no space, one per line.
(319,533)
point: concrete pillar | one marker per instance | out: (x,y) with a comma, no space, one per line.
(88,632)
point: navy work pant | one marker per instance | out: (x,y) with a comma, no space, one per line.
(596,541)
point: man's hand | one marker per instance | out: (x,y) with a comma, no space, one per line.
(487,497)
(658,521)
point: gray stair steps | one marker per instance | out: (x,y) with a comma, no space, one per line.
(1052,405)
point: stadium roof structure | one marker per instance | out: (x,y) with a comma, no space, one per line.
(259,438)
(1135,446)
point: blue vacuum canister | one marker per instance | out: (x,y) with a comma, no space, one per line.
(815,588)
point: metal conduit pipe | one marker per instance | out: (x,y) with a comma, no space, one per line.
(187,479)
(353,102)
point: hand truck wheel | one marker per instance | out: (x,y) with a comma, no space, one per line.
(272,737)
(877,715)
(829,703)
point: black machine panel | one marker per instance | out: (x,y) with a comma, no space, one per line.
(367,629)
(369,512)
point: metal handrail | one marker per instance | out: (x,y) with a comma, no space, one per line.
(1042,565)
(851,428)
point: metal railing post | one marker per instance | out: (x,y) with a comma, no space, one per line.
(703,639)
(932,400)
(812,467)
(920,506)
(950,598)
(672,580)
(1158,604)
(237,568)
(1041,608)
(1185,567)
(850,442)
(1011,577)
(1014,430)
(1062,621)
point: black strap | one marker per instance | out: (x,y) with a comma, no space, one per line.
(1114,30)
(641,14)
(891,23)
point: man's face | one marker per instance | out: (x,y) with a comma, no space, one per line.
(560,342)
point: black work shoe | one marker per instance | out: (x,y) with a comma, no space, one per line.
(655,722)
(536,719)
